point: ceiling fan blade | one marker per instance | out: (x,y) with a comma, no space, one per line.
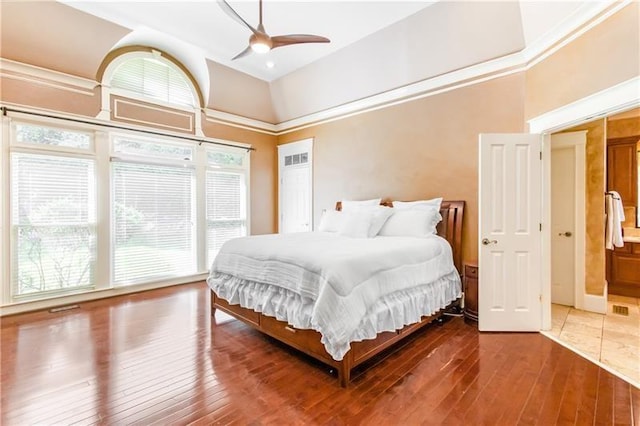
(245,52)
(285,40)
(234,15)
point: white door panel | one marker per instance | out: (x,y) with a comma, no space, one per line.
(567,213)
(295,190)
(562,225)
(296,200)
(510,239)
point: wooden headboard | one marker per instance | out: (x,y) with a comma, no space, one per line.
(450,228)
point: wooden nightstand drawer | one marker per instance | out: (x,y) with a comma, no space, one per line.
(470,271)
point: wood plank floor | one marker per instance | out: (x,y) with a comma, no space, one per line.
(159,358)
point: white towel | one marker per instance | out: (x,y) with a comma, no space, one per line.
(615,218)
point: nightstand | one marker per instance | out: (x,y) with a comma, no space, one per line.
(470,283)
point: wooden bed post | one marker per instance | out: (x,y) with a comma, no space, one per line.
(344,370)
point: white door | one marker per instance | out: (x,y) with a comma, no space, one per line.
(567,217)
(509,254)
(295,189)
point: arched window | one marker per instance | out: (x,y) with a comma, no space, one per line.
(155,77)
(136,76)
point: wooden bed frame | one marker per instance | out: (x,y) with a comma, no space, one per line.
(308,341)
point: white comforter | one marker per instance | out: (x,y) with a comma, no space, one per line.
(343,287)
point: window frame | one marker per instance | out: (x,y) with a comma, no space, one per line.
(9,295)
(101,152)
(245,208)
(123,157)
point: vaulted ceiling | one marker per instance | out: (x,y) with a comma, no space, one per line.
(376,46)
(427,31)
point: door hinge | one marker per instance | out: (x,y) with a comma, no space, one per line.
(541,155)
(540,227)
(540,297)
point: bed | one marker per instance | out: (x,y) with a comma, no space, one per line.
(278,303)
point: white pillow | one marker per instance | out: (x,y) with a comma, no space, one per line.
(380,215)
(331,221)
(419,222)
(348,205)
(356,224)
(434,202)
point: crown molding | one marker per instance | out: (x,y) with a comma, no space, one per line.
(474,74)
(46,77)
(587,16)
(618,98)
(233,120)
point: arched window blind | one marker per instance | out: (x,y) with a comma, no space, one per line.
(154,78)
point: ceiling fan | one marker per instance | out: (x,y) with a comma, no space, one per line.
(260,41)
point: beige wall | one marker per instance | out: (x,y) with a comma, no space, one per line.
(623,128)
(420,149)
(55,36)
(604,56)
(237,93)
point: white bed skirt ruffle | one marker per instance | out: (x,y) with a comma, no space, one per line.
(390,313)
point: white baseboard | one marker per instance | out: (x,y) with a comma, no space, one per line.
(36,305)
(595,303)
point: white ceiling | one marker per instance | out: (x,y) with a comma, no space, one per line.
(201,26)
(205,26)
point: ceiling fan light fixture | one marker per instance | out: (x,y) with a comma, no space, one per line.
(260,47)
(260,41)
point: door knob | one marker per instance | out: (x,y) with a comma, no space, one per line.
(486,241)
(565,234)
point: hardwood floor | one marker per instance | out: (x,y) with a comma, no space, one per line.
(159,358)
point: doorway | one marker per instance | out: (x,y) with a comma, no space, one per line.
(295,193)
(568,218)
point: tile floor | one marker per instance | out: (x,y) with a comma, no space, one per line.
(612,339)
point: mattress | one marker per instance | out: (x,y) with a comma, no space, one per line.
(347,289)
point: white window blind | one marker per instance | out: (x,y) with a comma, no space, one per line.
(226,209)
(153,78)
(53,222)
(154,222)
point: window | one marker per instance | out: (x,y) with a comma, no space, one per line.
(53,213)
(226,209)
(226,198)
(153,211)
(156,78)
(39,135)
(91,209)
